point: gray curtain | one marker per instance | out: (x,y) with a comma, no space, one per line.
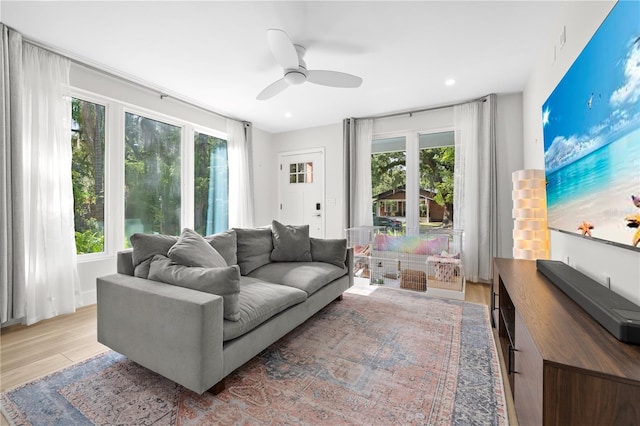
(349,137)
(12,262)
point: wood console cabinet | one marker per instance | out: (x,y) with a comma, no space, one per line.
(563,367)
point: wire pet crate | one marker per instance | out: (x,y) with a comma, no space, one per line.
(361,239)
(431,261)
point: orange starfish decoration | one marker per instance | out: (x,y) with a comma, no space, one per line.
(634,222)
(586,228)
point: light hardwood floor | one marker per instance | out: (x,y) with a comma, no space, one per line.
(27,353)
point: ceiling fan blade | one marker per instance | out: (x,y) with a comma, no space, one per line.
(333,78)
(282,49)
(273,89)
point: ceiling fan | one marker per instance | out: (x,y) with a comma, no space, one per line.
(291,58)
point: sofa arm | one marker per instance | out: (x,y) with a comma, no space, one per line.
(125,262)
(174,331)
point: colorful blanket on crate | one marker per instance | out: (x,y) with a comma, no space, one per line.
(411,244)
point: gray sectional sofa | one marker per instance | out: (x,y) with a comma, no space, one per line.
(194,309)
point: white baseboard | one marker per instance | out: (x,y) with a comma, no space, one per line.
(88,297)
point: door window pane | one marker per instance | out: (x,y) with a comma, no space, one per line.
(437,155)
(301,172)
(152,176)
(211,184)
(87,172)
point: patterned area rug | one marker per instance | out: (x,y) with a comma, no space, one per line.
(390,357)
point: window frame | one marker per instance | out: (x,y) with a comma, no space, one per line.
(184,151)
(108,172)
(114,173)
(412,150)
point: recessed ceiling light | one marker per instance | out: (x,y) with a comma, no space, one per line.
(450,82)
(287,114)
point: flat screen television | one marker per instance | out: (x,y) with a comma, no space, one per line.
(591,128)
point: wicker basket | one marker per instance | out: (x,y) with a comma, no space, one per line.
(413,280)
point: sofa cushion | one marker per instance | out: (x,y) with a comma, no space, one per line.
(226,244)
(306,276)
(259,301)
(224,281)
(145,246)
(290,243)
(192,250)
(254,248)
(329,251)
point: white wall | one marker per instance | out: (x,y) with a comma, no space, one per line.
(509,159)
(266,148)
(265,177)
(329,137)
(595,259)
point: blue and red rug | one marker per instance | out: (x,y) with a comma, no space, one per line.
(390,357)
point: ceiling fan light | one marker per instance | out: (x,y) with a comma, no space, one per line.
(295,77)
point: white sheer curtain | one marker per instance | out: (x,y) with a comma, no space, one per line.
(474,197)
(50,251)
(362,207)
(240,176)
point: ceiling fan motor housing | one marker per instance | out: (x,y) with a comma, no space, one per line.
(295,76)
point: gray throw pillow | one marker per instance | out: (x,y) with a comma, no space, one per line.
(329,251)
(254,248)
(192,250)
(226,243)
(223,281)
(145,246)
(290,243)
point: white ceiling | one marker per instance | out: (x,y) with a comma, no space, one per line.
(215,53)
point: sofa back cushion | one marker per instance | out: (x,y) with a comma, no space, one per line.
(145,246)
(226,243)
(333,251)
(254,248)
(290,243)
(223,281)
(192,250)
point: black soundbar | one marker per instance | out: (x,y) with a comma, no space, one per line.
(618,315)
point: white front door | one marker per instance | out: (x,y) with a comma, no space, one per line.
(301,190)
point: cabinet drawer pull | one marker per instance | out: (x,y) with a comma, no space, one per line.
(496,301)
(511,360)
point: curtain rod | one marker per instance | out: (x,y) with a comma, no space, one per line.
(416,111)
(121,76)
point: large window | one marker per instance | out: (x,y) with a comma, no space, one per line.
(429,180)
(152,176)
(87,172)
(167,184)
(211,192)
